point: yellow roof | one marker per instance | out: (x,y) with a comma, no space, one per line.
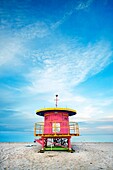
(41,112)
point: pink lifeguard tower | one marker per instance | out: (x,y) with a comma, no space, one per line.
(56,130)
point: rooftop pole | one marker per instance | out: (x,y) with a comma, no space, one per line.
(56,100)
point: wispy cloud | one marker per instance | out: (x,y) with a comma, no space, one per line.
(68,66)
(8,53)
(92,109)
(84,4)
(35,30)
(110,127)
(13,47)
(79,5)
(99,126)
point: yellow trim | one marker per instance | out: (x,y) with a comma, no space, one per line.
(56,135)
(47,114)
(56,109)
(53,121)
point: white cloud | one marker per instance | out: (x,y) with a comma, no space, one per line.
(81,5)
(35,30)
(84,4)
(91,109)
(9,51)
(67,66)
(63,19)
(13,48)
(108,127)
(104,102)
(108,118)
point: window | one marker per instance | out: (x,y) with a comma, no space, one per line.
(56,127)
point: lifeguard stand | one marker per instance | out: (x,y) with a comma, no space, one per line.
(56,130)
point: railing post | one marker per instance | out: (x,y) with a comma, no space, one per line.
(42,129)
(55,128)
(42,143)
(77,129)
(68,129)
(69,143)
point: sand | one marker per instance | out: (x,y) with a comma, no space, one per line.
(25,156)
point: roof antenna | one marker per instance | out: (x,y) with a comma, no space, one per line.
(56,100)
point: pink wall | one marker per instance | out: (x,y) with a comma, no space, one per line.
(56,119)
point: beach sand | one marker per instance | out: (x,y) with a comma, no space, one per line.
(25,156)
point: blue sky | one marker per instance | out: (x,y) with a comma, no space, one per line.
(50,47)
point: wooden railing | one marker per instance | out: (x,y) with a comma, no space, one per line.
(73,129)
